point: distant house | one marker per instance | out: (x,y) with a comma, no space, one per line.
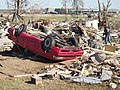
(113,11)
(60,10)
(50,11)
(72,11)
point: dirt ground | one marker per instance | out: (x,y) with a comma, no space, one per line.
(11,65)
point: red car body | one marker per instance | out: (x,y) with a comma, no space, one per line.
(34,44)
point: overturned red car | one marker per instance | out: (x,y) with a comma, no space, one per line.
(47,47)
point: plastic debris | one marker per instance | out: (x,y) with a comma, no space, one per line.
(113,85)
(106,75)
(84,79)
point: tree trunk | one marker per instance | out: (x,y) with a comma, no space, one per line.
(99,15)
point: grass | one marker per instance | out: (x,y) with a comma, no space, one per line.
(25,84)
(53,17)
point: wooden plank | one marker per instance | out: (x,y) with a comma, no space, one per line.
(25,75)
(29,75)
(110,48)
(68,62)
(107,52)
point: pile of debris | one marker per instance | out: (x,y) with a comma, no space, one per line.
(92,68)
(80,34)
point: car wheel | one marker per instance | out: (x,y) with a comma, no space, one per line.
(48,43)
(74,41)
(22,28)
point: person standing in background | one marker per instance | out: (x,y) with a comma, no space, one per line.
(107,35)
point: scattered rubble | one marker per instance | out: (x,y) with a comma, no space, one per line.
(99,62)
(81,71)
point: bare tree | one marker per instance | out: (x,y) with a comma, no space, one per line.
(78,5)
(65,4)
(99,14)
(18,6)
(103,13)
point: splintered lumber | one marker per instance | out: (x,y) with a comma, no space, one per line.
(68,62)
(110,48)
(29,75)
(107,52)
(25,75)
(72,69)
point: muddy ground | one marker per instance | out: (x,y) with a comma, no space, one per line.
(12,64)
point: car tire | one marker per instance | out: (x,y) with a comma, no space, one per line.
(48,42)
(22,28)
(73,41)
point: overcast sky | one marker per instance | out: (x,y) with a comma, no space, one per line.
(57,3)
